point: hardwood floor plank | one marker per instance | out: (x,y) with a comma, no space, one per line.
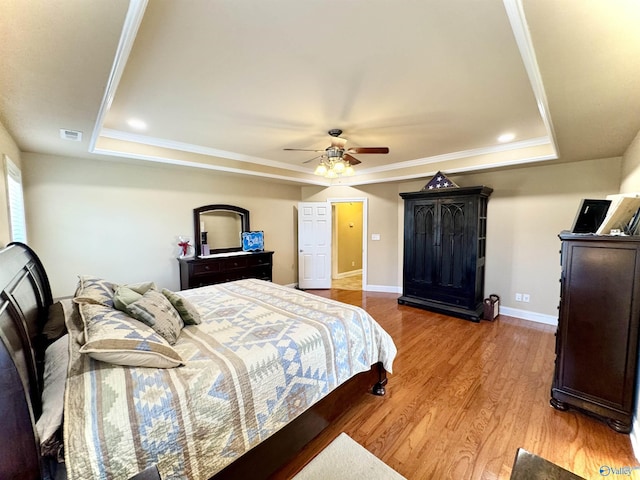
(464,397)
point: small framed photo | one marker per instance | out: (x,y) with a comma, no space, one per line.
(253,241)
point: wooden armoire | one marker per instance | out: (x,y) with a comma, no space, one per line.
(444,250)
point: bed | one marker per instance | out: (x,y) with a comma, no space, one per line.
(234,396)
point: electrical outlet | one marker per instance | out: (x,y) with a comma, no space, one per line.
(518,297)
(353,264)
(525,297)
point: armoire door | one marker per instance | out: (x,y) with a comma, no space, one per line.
(421,265)
(453,249)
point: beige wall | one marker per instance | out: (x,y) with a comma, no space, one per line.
(631,167)
(382,218)
(7,147)
(527,210)
(121,221)
(631,183)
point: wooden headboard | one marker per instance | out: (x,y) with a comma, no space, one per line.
(25,298)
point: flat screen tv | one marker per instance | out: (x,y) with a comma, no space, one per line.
(590,215)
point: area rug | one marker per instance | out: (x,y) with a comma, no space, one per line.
(345,459)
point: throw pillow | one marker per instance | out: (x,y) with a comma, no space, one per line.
(124,296)
(187,310)
(155,310)
(94,290)
(114,337)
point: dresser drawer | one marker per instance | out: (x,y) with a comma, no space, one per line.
(259,260)
(205,268)
(234,263)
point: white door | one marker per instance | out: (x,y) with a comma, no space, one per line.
(314,245)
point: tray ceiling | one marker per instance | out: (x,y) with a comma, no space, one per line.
(228,85)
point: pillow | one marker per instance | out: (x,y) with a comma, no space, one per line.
(124,296)
(55,325)
(187,310)
(155,310)
(95,290)
(114,337)
(56,364)
(127,294)
(141,287)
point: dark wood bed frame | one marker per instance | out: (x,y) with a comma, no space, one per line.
(25,298)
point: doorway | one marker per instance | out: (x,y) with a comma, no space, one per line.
(348,252)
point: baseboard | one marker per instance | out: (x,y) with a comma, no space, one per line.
(512,312)
(352,273)
(528,315)
(382,288)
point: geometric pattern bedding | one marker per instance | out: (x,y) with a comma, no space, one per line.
(263,354)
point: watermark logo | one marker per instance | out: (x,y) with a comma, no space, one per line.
(606,470)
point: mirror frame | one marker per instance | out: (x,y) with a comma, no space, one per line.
(244,220)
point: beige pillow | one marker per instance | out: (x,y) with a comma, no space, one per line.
(114,337)
(155,310)
(187,310)
(94,290)
(141,287)
(56,363)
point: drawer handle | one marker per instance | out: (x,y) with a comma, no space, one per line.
(206,267)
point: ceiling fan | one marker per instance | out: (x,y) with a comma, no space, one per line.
(338,151)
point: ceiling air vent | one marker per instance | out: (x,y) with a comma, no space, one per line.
(72,135)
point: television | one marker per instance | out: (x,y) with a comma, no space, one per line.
(590,215)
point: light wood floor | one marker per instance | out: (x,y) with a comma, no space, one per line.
(464,397)
(353,282)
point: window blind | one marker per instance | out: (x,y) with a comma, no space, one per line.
(15,200)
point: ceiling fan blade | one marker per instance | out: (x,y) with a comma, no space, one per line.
(338,142)
(311,159)
(301,150)
(369,150)
(351,159)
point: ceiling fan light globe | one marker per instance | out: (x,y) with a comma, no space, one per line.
(321,169)
(349,171)
(339,166)
(331,173)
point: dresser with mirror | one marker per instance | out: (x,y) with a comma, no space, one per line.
(219,256)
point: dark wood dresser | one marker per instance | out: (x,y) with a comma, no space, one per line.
(225,267)
(597,336)
(444,250)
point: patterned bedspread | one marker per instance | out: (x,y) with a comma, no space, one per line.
(262,356)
